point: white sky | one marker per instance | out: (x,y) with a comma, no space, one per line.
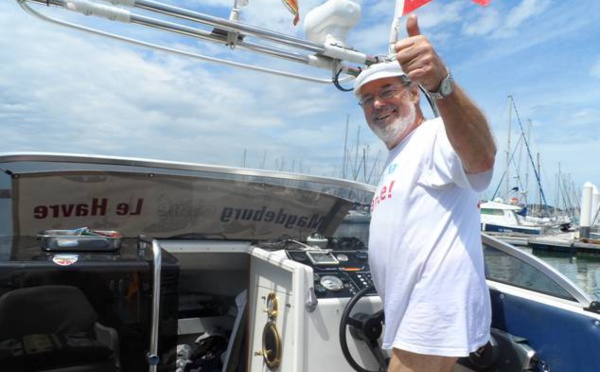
(63,90)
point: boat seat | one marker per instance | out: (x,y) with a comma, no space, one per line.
(54,328)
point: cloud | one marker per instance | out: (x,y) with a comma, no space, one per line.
(487,21)
(517,18)
(72,92)
(66,91)
(524,11)
(440,14)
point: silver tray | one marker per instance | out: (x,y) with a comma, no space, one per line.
(80,240)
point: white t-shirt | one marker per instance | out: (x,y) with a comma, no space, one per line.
(425,248)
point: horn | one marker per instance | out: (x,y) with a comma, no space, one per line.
(325,25)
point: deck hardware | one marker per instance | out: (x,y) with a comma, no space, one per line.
(311,302)
(594,307)
(272,309)
(271,346)
(153,359)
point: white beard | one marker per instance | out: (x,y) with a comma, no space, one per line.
(390,133)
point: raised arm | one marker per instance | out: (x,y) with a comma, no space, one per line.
(466,126)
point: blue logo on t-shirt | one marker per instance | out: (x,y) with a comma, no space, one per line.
(392,168)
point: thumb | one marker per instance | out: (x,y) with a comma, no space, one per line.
(412,25)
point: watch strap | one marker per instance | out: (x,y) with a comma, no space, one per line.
(445,89)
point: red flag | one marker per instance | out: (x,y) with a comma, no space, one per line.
(292,5)
(410,5)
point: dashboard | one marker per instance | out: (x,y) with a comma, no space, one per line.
(337,274)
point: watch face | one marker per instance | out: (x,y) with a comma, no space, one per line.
(446,87)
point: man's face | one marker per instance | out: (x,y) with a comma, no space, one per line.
(389,108)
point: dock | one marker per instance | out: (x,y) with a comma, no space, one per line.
(568,242)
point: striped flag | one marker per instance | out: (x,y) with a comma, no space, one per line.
(292,5)
(410,5)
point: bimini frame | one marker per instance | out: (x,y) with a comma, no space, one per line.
(333,56)
(344,63)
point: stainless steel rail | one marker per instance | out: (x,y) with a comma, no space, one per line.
(329,56)
(152,357)
(227,25)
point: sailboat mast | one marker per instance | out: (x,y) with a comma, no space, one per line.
(508,149)
(356,171)
(527,164)
(345,148)
(536,169)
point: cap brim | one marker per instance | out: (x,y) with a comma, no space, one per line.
(375,72)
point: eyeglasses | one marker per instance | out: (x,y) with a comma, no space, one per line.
(385,94)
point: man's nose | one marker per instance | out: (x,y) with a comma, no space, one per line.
(378,102)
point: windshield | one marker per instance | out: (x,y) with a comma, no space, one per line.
(514,267)
(170,200)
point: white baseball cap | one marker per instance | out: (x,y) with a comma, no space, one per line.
(377,71)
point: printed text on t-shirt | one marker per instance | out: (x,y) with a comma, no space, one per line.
(384,194)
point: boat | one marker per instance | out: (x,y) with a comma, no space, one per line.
(498,217)
(128,264)
(557,236)
(358,215)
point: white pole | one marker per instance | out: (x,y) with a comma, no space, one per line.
(586,210)
(595,206)
(395,28)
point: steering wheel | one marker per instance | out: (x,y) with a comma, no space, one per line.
(363,327)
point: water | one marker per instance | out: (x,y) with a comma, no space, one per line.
(581,269)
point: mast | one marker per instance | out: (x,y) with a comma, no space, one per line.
(539,171)
(507,172)
(535,168)
(365,149)
(345,148)
(527,166)
(356,165)
(264,160)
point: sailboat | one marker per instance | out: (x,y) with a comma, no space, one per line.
(511,216)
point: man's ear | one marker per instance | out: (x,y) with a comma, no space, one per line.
(415,93)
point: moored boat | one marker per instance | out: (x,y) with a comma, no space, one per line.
(503,218)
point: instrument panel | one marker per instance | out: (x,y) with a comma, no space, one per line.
(337,274)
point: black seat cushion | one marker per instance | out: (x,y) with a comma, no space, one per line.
(49,309)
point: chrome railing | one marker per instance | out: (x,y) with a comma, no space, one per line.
(332,54)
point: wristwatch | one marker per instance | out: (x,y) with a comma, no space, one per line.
(446,88)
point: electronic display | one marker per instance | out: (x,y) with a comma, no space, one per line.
(322,258)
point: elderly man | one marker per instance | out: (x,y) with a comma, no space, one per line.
(425,243)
